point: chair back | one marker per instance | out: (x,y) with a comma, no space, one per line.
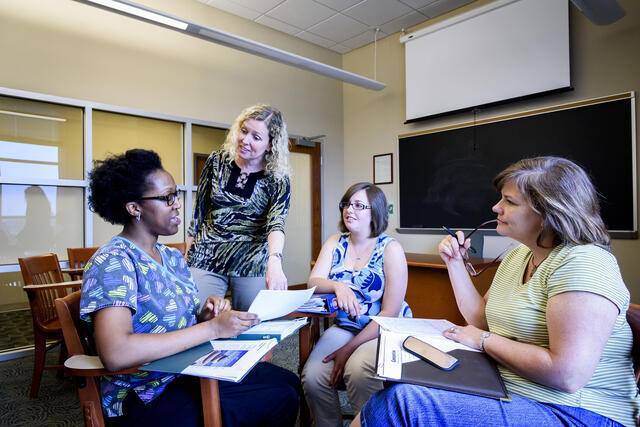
(42,270)
(76,338)
(182,247)
(78,257)
(75,333)
(633,318)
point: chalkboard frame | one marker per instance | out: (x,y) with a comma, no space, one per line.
(629,231)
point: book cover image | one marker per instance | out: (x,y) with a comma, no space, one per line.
(220,358)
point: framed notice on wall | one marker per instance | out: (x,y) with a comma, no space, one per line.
(383,168)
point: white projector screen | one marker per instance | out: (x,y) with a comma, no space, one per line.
(504,50)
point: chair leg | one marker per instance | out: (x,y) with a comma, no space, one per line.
(40,352)
(64,355)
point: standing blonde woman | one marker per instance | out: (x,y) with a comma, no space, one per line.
(553,319)
(237,233)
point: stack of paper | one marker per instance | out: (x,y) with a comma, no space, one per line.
(475,374)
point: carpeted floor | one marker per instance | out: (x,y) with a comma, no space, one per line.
(57,403)
(16,329)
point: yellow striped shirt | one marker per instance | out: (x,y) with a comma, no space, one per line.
(517,310)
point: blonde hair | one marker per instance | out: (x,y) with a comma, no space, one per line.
(278,157)
(562,193)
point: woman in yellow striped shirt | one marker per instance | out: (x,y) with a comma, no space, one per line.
(553,318)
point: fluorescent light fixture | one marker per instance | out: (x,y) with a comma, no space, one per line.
(142,13)
(33,116)
(184,26)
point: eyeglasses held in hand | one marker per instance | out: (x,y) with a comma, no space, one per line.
(358,206)
(169,199)
(472,270)
(465,253)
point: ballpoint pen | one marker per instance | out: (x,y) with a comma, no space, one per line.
(448,230)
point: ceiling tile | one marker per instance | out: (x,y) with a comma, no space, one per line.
(377,12)
(363,39)
(301,13)
(231,7)
(320,41)
(406,21)
(259,5)
(338,28)
(443,6)
(278,25)
(339,5)
(417,4)
(340,48)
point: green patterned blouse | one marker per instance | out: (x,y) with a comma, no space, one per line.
(233,215)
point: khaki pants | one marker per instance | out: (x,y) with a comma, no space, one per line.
(243,289)
(359,377)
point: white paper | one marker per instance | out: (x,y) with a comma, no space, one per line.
(276,327)
(427,330)
(230,360)
(273,304)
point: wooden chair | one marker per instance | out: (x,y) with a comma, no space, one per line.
(84,364)
(38,271)
(633,318)
(182,247)
(78,258)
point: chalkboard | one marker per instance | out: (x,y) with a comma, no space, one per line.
(446,176)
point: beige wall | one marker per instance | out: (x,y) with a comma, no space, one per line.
(64,48)
(604,60)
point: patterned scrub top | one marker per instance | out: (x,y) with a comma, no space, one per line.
(367,284)
(161,298)
(233,216)
(518,310)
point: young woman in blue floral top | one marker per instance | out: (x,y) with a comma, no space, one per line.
(141,305)
(367,271)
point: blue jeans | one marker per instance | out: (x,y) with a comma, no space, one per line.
(411,405)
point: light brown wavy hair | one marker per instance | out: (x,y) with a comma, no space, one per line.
(562,193)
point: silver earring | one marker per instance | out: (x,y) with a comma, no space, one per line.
(138,217)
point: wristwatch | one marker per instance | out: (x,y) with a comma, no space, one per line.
(276,254)
(484,336)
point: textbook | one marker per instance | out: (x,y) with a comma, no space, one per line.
(320,303)
(476,373)
(278,329)
(227,360)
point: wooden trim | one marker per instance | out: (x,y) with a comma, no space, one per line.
(316,194)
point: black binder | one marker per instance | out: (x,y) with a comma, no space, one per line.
(475,374)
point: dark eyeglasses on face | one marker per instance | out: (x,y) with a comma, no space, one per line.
(358,206)
(169,199)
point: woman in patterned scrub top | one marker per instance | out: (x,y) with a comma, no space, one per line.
(140,303)
(237,233)
(367,271)
(554,318)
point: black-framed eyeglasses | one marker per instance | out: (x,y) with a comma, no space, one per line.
(358,206)
(465,253)
(169,199)
(473,271)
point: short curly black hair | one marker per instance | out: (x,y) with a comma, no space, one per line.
(118,180)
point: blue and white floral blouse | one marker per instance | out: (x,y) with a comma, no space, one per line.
(367,283)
